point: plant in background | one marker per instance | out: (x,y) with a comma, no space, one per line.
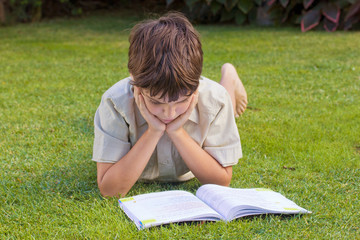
(329,14)
(238,11)
(2,11)
(24,10)
(34,10)
(12,11)
(309,14)
(352,16)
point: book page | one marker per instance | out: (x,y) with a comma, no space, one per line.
(234,202)
(153,209)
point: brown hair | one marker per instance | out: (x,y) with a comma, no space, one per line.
(165,56)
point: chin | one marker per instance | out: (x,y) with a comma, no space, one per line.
(167,121)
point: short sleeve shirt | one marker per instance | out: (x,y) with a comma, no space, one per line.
(119,125)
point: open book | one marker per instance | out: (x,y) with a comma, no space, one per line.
(211,203)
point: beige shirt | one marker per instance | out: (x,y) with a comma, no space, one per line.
(119,124)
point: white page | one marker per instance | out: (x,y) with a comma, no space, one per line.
(230,201)
(165,207)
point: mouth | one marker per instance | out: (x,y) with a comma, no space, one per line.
(166,121)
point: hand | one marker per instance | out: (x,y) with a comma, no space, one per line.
(178,123)
(154,123)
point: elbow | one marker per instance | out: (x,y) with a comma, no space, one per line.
(223,181)
(223,178)
(227,177)
(226,181)
(107,192)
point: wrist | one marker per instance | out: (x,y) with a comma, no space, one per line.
(175,133)
(156,133)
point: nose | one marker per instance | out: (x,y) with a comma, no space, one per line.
(169,112)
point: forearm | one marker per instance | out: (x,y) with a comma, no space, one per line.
(205,168)
(121,176)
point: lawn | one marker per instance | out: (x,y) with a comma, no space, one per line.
(300,134)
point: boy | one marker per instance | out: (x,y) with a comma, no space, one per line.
(165,122)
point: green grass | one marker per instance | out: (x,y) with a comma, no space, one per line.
(303,114)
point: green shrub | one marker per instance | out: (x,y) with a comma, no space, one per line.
(35,10)
(12,11)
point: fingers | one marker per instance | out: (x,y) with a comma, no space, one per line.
(142,106)
(136,95)
(177,124)
(194,101)
(191,107)
(153,122)
(139,99)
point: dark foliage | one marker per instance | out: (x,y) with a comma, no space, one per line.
(330,15)
(309,14)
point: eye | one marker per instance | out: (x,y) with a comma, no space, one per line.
(154,102)
(185,100)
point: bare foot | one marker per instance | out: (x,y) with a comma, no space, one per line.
(232,83)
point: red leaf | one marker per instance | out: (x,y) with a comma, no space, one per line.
(270,2)
(310,20)
(332,12)
(347,25)
(288,10)
(355,8)
(307,3)
(350,22)
(263,17)
(329,25)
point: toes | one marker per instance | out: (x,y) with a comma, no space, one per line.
(240,108)
(244,104)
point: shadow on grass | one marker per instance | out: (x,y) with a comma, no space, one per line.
(85,127)
(78,182)
(262,217)
(142,187)
(75,175)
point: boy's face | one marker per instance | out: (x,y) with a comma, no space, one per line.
(164,110)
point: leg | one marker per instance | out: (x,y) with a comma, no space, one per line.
(231,82)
